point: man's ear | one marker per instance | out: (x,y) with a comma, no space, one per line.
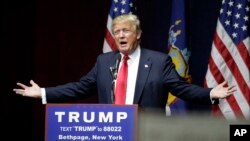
(138,35)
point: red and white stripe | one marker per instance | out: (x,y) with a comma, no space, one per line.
(231,63)
(109,42)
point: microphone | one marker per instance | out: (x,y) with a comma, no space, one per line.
(117,62)
(114,72)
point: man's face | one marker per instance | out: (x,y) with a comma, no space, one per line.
(126,37)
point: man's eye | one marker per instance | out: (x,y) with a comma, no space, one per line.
(125,30)
(116,32)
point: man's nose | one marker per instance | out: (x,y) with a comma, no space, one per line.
(121,33)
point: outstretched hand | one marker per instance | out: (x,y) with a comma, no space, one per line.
(222,91)
(29,91)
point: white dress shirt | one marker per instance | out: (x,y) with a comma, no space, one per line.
(133,64)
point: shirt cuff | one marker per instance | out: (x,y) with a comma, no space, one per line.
(213,101)
(43,92)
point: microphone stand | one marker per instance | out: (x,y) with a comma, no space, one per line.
(114,71)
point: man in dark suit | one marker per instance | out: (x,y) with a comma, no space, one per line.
(151,75)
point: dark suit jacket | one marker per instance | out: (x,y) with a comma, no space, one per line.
(156,77)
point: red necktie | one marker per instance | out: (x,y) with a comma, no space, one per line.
(121,82)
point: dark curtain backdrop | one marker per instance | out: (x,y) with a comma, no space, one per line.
(57,41)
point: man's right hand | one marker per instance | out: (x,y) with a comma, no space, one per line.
(29,91)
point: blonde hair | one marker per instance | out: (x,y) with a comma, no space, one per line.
(133,19)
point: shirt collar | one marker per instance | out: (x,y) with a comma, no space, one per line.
(134,54)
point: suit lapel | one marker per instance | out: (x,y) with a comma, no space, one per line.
(109,79)
(143,72)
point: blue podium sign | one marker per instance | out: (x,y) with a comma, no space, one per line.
(91,122)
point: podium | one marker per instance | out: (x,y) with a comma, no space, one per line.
(89,122)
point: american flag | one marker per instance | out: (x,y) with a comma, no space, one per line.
(118,7)
(230,59)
